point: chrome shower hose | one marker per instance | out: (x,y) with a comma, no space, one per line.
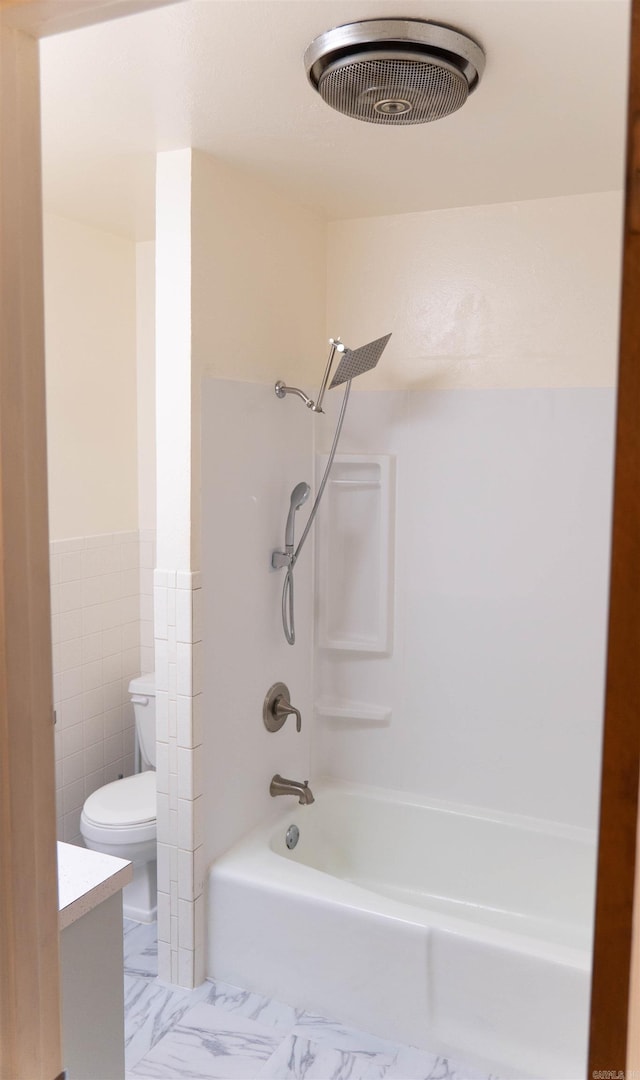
(288,615)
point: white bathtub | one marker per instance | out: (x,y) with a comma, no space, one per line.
(442,927)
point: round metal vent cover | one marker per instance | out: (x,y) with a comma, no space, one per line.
(394,71)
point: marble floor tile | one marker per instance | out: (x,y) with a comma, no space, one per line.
(298,1058)
(210,1043)
(140,949)
(321,1029)
(222,1032)
(413,1064)
(151,1008)
(264,1010)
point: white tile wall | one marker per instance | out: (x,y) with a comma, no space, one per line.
(102,634)
(178,645)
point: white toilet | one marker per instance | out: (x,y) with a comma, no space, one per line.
(120,818)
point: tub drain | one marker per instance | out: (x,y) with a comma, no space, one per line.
(292,837)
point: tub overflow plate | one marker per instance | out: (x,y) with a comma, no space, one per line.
(292,837)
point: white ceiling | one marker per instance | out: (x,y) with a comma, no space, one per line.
(226,76)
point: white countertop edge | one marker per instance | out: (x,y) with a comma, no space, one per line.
(85,879)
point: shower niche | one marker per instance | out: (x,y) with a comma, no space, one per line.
(355,555)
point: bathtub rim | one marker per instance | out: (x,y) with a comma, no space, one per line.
(579,833)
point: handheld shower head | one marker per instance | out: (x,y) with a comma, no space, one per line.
(299,496)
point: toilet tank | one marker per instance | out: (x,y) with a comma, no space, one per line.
(143,696)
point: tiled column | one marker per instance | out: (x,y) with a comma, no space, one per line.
(178,639)
(178,648)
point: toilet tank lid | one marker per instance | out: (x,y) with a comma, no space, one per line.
(131,801)
(144,684)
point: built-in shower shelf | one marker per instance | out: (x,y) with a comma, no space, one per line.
(354,600)
(357,483)
(355,714)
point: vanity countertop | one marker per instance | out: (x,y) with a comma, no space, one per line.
(85,879)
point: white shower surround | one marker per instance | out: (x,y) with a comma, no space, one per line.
(453,931)
(244,513)
(492,692)
(501,521)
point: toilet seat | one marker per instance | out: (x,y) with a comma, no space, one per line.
(123,812)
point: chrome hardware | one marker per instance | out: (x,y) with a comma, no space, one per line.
(299,496)
(282,389)
(300,788)
(292,837)
(277,707)
(352,363)
(280,559)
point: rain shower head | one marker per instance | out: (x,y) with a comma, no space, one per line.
(394,71)
(356,361)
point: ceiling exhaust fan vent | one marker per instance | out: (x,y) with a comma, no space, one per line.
(394,71)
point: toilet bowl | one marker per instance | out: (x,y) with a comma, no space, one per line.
(120,818)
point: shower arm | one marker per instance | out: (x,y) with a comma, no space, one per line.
(282,390)
(316,406)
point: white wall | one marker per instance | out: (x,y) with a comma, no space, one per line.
(95,604)
(259,279)
(100,373)
(173,359)
(90,328)
(146,441)
(146,383)
(515,294)
(495,681)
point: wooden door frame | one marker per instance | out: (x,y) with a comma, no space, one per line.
(30,1028)
(615,1009)
(29,980)
(29,972)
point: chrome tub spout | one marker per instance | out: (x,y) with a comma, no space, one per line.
(281,786)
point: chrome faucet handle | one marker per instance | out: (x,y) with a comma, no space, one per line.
(277,707)
(283,708)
